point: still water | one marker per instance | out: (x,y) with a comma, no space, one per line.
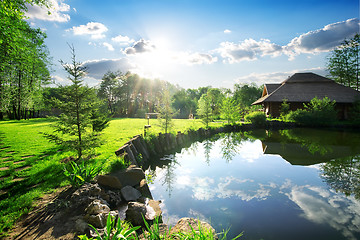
(288,184)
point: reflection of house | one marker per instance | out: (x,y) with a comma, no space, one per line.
(297,154)
(300,88)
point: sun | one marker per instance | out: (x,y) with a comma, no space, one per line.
(157,62)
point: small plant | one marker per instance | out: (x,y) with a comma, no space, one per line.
(256,118)
(120,230)
(284,109)
(153,232)
(78,174)
(203,234)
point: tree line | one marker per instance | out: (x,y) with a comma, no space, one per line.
(23,61)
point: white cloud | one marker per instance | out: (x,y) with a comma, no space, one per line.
(275,77)
(140,46)
(323,207)
(248,50)
(59,80)
(195,58)
(227,31)
(323,40)
(108,46)
(94,29)
(97,68)
(122,40)
(56,10)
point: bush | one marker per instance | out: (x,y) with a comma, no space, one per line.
(78,174)
(256,118)
(354,114)
(319,112)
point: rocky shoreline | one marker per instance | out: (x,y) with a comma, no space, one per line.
(125,194)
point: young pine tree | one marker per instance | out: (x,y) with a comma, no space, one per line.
(165,111)
(74,129)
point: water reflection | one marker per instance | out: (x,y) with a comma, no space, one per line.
(343,175)
(241,180)
(310,146)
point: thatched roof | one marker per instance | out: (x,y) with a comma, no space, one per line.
(302,87)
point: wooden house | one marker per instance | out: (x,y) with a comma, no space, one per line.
(300,88)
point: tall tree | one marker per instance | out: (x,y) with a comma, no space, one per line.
(73,130)
(205,110)
(165,111)
(23,59)
(229,110)
(343,63)
(110,89)
(246,94)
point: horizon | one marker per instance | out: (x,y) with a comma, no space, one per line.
(196,43)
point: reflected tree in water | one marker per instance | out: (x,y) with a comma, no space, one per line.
(207,144)
(170,176)
(230,143)
(314,144)
(343,175)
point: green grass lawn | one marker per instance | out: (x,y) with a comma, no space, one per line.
(31,166)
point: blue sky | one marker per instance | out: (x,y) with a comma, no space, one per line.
(196,43)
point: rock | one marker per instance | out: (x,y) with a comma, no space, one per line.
(130,194)
(183,225)
(83,196)
(87,189)
(143,188)
(131,176)
(99,220)
(136,211)
(155,205)
(109,181)
(81,226)
(113,198)
(96,207)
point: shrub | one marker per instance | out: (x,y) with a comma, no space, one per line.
(284,109)
(78,174)
(256,118)
(120,230)
(354,114)
(319,112)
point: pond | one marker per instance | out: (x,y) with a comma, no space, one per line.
(286,184)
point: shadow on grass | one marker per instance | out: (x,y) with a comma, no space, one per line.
(32,121)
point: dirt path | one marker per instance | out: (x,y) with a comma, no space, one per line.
(49,219)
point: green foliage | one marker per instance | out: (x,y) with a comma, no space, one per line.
(319,112)
(184,103)
(120,230)
(229,110)
(78,174)
(23,61)
(257,118)
(204,110)
(165,111)
(110,90)
(79,112)
(47,170)
(343,63)
(246,94)
(354,115)
(284,109)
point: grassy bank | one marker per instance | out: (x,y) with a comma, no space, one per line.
(31,166)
